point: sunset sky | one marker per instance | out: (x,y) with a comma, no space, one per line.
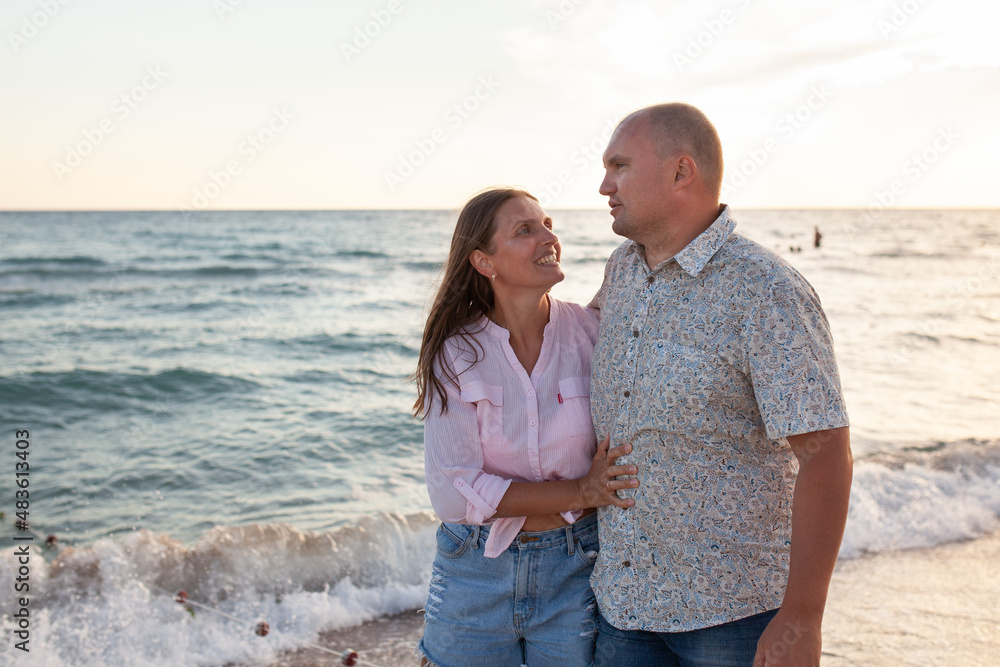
(259,104)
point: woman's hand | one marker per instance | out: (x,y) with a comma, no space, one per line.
(597,489)
(600,486)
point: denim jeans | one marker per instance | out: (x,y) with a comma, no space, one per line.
(731,644)
(532,605)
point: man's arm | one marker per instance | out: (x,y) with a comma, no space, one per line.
(819,512)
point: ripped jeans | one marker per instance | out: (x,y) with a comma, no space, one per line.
(532,605)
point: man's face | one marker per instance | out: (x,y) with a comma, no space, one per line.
(635,182)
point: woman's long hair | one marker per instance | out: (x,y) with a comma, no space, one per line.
(464,296)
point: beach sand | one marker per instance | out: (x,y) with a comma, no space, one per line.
(938,606)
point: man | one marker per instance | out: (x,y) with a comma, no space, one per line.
(715,363)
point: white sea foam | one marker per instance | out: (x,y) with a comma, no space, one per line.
(113,602)
(913,499)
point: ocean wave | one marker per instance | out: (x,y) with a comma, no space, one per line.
(72,260)
(923,496)
(241,256)
(364,254)
(911,254)
(101,390)
(120,276)
(28,298)
(424,266)
(922,336)
(113,603)
(222,270)
(352,342)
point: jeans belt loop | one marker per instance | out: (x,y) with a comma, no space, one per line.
(570,542)
(475,537)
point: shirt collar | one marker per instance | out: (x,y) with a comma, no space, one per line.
(696,254)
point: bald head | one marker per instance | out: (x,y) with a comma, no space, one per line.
(678,128)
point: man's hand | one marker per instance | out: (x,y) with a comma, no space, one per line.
(819,512)
(789,642)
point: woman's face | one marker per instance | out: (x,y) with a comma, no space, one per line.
(526,252)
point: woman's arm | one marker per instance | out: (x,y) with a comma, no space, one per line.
(597,489)
(461,492)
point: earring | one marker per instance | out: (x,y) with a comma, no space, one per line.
(493,278)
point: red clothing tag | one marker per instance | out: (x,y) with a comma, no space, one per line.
(559,396)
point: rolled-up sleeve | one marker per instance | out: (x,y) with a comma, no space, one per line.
(459,490)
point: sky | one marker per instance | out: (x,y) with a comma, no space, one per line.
(412,104)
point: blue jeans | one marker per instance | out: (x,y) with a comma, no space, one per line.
(532,605)
(731,644)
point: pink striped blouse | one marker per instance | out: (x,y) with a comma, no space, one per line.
(503,425)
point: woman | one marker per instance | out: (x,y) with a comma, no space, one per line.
(503,384)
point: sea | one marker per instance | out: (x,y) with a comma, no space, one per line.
(220,403)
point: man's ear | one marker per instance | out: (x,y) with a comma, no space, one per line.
(686,168)
(481,262)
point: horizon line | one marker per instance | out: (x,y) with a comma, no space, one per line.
(571,208)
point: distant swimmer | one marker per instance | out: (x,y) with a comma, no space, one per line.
(817,237)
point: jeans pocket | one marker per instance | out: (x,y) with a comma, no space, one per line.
(453,539)
(587,548)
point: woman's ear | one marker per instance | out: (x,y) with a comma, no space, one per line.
(481,262)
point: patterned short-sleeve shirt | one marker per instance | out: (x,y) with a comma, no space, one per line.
(705,364)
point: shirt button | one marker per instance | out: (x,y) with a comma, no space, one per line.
(531,393)
(635,333)
(532,422)
(627,394)
(650,280)
(533,453)
(626,563)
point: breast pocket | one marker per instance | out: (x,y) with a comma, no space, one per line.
(682,384)
(488,399)
(574,394)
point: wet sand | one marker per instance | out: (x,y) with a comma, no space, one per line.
(938,606)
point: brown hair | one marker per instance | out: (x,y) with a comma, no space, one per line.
(681,128)
(464,296)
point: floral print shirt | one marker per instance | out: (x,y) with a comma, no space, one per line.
(705,364)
